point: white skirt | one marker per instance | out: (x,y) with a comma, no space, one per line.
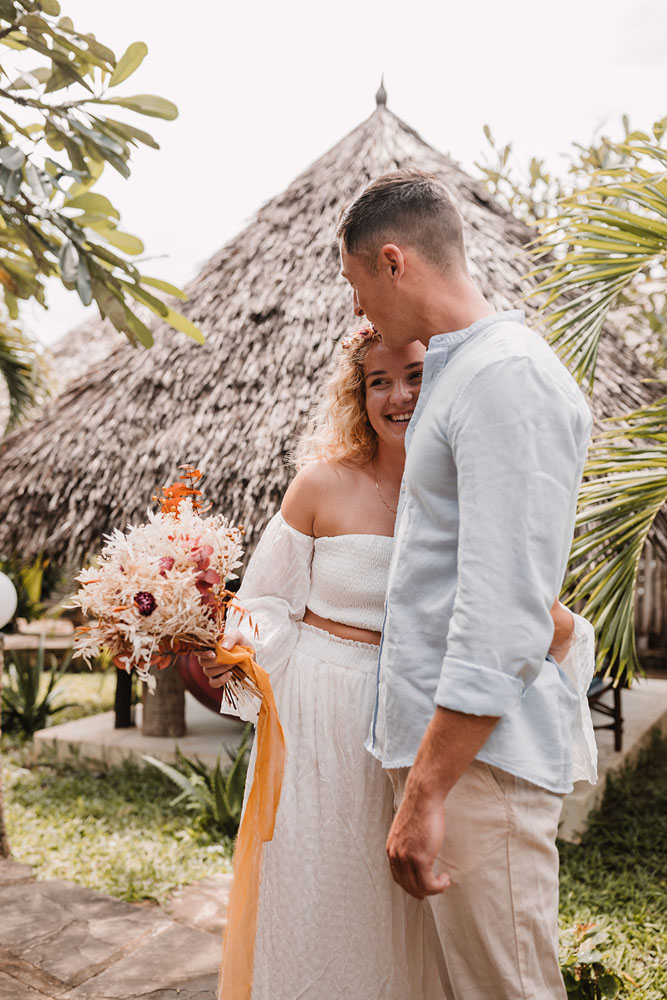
(332,922)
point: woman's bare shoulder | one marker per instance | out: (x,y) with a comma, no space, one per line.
(315,485)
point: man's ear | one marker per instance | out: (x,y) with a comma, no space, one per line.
(392,262)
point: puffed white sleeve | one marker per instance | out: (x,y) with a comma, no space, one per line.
(579,667)
(273,594)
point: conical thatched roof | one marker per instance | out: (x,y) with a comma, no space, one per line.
(272,306)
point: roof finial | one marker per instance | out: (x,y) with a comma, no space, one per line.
(381,96)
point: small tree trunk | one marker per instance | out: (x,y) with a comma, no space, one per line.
(164,711)
(4,842)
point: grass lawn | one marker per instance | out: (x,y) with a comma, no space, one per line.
(617,877)
(89,693)
(109,829)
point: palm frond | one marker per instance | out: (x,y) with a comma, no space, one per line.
(593,250)
(22,369)
(624,488)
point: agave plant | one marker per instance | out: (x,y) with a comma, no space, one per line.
(26,705)
(215,795)
(605,248)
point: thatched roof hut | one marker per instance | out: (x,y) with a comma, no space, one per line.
(272,305)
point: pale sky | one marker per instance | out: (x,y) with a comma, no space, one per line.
(265,88)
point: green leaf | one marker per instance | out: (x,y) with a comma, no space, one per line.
(11,158)
(164,286)
(69,263)
(111,258)
(141,295)
(122,241)
(33,22)
(34,180)
(51,7)
(83,283)
(129,132)
(139,329)
(180,322)
(63,75)
(609,986)
(92,202)
(54,137)
(8,11)
(145,104)
(129,62)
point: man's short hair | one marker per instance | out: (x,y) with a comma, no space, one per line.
(409,207)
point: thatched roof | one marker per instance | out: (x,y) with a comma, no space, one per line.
(272,305)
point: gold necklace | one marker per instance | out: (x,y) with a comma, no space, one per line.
(377,487)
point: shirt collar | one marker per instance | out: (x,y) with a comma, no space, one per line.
(445,341)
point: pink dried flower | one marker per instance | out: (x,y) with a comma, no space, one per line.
(166,563)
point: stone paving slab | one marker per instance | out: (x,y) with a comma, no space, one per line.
(28,976)
(12,871)
(67,930)
(202,904)
(61,941)
(176,956)
(12,989)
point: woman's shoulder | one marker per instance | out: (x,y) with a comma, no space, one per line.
(317,485)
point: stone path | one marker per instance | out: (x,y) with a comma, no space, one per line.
(60,941)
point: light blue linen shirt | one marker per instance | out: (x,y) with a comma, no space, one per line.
(495,453)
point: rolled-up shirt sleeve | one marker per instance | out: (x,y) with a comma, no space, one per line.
(519,446)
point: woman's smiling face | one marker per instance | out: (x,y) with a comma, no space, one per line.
(392,377)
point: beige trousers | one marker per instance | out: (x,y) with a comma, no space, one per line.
(497,924)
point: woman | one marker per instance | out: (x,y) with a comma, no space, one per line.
(332,923)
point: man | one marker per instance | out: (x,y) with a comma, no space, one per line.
(472,719)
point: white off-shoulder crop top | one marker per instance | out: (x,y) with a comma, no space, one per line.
(348,579)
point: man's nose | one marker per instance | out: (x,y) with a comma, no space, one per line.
(358,311)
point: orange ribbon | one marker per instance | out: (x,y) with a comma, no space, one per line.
(257,824)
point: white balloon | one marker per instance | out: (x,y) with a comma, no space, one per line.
(8,600)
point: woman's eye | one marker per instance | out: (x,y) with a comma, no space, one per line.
(378,382)
(416,376)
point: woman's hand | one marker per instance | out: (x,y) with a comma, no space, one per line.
(219,674)
(563,631)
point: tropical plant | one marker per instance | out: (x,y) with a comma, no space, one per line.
(214,795)
(624,490)
(22,369)
(56,139)
(602,246)
(584,973)
(27,705)
(598,253)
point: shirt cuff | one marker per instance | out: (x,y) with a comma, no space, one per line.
(475,690)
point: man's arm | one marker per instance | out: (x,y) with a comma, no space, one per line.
(452,740)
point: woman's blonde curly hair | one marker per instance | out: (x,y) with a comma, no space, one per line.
(339,428)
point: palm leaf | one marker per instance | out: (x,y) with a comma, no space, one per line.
(22,369)
(624,488)
(593,250)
